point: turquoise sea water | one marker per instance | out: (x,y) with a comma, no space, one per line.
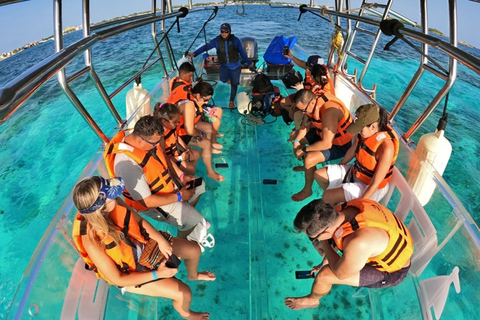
(45,145)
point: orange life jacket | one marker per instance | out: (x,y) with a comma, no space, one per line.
(121,254)
(373,215)
(316,88)
(170,142)
(179,90)
(181,121)
(152,162)
(365,162)
(341,136)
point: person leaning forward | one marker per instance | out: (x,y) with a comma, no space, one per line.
(325,118)
(140,160)
(229,49)
(376,247)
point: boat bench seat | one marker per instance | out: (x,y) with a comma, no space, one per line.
(86,295)
(401,200)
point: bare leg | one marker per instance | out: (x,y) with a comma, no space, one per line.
(321,177)
(334,196)
(311,159)
(216,126)
(190,252)
(176,290)
(205,146)
(321,286)
(210,133)
(205,127)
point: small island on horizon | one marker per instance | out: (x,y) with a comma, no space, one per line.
(68,30)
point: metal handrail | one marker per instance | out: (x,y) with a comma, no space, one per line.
(464,58)
(18,90)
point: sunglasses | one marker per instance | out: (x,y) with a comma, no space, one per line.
(223,31)
(315,239)
(153,144)
(305,110)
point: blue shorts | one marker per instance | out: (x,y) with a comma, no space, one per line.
(334,153)
(230,74)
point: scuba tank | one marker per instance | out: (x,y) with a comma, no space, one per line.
(135,96)
(243,103)
(435,149)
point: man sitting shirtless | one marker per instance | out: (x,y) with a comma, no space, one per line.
(376,247)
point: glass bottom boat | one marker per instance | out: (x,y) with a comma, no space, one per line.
(257,251)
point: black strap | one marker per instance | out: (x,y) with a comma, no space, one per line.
(143,231)
(162,212)
(83,227)
(126,223)
(325,99)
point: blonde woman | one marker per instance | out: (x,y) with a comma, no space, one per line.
(111,238)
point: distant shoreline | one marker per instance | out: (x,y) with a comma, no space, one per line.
(6,55)
(29,45)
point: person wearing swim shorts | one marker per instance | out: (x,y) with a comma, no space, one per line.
(368,236)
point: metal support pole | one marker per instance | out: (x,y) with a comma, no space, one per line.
(155,40)
(418,74)
(169,54)
(61,74)
(452,74)
(88,63)
(374,45)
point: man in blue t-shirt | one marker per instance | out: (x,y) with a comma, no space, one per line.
(229,49)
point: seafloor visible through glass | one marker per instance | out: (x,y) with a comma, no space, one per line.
(257,250)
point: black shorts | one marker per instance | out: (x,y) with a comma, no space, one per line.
(312,136)
(372,278)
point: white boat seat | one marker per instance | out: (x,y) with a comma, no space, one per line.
(420,226)
(433,292)
(86,295)
(401,200)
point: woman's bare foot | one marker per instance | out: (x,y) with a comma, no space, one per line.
(231,105)
(216,151)
(301,303)
(217,145)
(299,168)
(197,315)
(203,276)
(216,176)
(302,195)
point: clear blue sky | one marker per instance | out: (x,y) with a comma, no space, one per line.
(28,21)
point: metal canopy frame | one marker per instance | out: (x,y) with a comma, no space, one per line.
(455,55)
(18,90)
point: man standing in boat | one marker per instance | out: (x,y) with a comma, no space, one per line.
(229,49)
(376,247)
